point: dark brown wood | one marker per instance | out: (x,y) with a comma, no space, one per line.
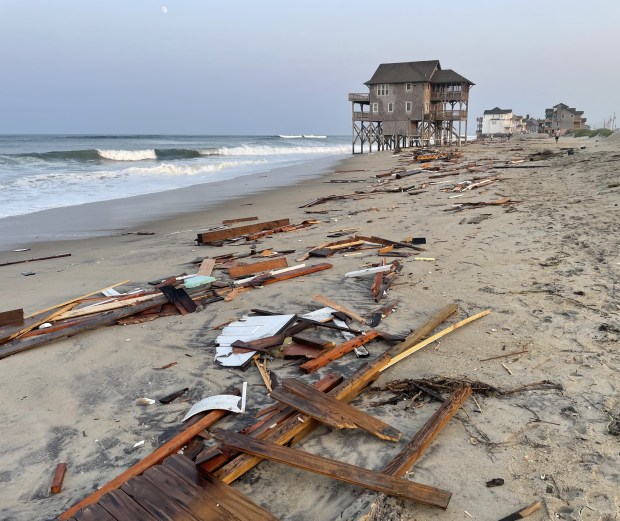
(405,459)
(173,396)
(14,317)
(294,350)
(376,481)
(94,513)
(109,317)
(338,351)
(327,409)
(170,447)
(299,272)
(36,259)
(123,508)
(239,231)
(321,252)
(294,430)
(240,505)
(59,476)
(155,501)
(179,297)
(524,512)
(188,495)
(258,267)
(388,242)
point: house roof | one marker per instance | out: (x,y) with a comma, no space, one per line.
(497,110)
(448,76)
(405,72)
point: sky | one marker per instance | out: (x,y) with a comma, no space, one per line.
(287,66)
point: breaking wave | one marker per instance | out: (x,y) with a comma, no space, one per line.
(247,150)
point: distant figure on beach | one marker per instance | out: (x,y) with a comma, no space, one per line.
(557,135)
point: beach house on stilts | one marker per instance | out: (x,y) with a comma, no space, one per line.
(410,104)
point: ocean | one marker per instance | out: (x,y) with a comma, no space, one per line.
(40,172)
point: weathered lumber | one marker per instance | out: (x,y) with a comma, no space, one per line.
(299,272)
(405,459)
(334,305)
(94,513)
(281,229)
(238,504)
(59,476)
(9,263)
(78,298)
(206,267)
(42,320)
(239,231)
(12,317)
(300,394)
(338,351)
(312,340)
(179,297)
(405,353)
(121,506)
(369,479)
(294,430)
(108,306)
(170,447)
(524,512)
(257,267)
(387,242)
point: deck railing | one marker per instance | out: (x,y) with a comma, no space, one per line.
(449,114)
(359,97)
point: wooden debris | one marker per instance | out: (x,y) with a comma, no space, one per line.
(291,274)
(342,471)
(179,297)
(330,411)
(244,270)
(312,341)
(10,263)
(300,351)
(406,458)
(262,370)
(334,305)
(206,267)
(281,229)
(338,351)
(239,231)
(168,448)
(13,317)
(59,476)
(173,396)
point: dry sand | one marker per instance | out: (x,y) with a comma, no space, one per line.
(548,268)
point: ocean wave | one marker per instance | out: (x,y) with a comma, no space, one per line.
(171,169)
(247,150)
(127,155)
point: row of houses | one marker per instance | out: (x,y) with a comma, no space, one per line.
(502,122)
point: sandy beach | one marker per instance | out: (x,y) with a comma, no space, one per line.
(546,264)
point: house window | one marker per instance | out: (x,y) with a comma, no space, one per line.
(375,107)
(382,89)
(426,108)
(562,116)
(407,86)
(390,107)
(408,106)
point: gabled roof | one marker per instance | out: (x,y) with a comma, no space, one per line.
(405,72)
(497,110)
(449,76)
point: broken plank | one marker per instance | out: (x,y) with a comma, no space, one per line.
(239,231)
(170,447)
(299,272)
(334,305)
(405,459)
(305,394)
(121,506)
(524,512)
(257,267)
(362,477)
(206,267)
(338,351)
(179,297)
(10,263)
(312,341)
(59,476)
(13,317)
(236,502)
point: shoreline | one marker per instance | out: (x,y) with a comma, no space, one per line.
(547,267)
(108,218)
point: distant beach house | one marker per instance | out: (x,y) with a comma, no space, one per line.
(411,104)
(562,117)
(503,122)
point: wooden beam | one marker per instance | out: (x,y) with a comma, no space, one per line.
(170,447)
(59,476)
(206,267)
(36,259)
(12,317)
(239,231)
(327,409)
(524,512)
(299,272)
(258,267)
(405,459)
(334,305)
(338,351)
(239,220)
(437,336)
(359,476)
